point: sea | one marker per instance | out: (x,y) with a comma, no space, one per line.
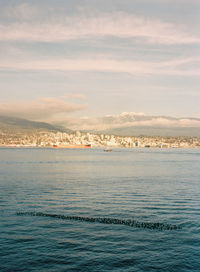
(90,210)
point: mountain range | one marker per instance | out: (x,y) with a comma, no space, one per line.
(155,131)
(125,124)
(13,125)
(137,124)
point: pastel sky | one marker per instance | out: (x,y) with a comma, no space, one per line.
(89,58)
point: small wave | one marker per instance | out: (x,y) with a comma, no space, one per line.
(107,220)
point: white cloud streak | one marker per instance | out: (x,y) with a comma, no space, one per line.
(120,25)
(98,64)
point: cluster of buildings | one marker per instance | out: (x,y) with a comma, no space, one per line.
(49,139)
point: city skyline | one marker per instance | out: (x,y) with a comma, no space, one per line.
(82,60)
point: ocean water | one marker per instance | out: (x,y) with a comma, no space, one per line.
(63,197)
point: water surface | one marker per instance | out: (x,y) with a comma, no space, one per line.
(145,185)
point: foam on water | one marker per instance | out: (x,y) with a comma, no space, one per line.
(107,220)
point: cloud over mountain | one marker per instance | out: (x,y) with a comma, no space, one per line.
(60,114)
(128,120)
(44,108)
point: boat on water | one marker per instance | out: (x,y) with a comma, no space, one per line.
(12,145)
(72,146)
(108,149)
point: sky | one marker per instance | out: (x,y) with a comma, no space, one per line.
(64,60)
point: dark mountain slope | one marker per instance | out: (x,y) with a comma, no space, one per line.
(155,131)
(19,125)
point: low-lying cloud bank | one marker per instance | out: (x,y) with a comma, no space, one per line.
(43,109)
(125,120)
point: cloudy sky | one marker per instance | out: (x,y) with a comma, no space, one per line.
(62,59)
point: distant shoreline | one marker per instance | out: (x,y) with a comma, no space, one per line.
(98,147)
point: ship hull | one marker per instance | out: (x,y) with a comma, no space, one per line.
(72,146)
